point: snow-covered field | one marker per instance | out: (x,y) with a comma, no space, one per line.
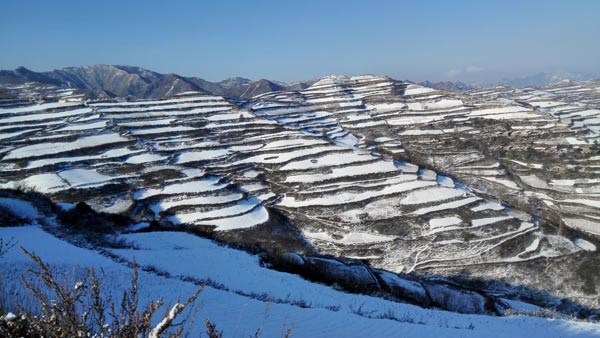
(235,306)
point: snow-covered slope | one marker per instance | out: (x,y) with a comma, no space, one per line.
(406,177)
(250,296)
(526,178)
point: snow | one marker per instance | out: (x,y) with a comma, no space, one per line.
(65,206)
(294,143)
(61,147)
(160,114)
(83,126)
(368,124)
(563,182)
(349,197)
(488,205)
(159,102)
(446,206)
(383,139)
(591,203)
(113,153)
(203,155)
(48,116)
(431,195)
(44,183)
(417,90)
(533,246)
(84,177)
(39,107)
(288,156)
(529,165)
(386,107)
(338,176)
(348,140)
(363,183)
(490,112)
(489,220)
(230,116)
(328,160)
(521,306)
(585,245)
(574,141)
(546,104)
(117,206)
(435,105)
(407,285)
(257,216)
(328,99)
(205,185)
(420,132)
(238,314)
(406,167)
(239,208)
(145,158)
(444,222)
(355,170)
(9,317)
(6,136)
(138,226)
(499,110)
(179,106)
(161,130)
(505,182)
(20,208)
(427,175)
(195,201)
(147,123)
(583,224)
(349,238)
(251,173)
(445,181)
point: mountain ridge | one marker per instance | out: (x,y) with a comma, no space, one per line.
(123,80)
(103,80)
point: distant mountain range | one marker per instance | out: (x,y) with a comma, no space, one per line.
(122,81)
(535,80)
(456,86)
(541,79)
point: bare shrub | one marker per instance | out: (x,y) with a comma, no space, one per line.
(25,188)
(211,330)
(5,245)
(83,311)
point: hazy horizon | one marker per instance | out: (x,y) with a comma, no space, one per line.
(460,41)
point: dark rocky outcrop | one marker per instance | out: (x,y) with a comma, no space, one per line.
(356,276)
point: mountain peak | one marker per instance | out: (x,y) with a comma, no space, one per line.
(234,81)
(23,70)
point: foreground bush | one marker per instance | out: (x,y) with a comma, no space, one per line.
(82,311)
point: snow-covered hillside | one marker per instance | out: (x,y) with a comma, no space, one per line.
(249,296)
(408,178)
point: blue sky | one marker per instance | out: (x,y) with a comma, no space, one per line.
(293,40)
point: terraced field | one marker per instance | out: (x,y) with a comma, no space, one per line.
(561,173)
(406,177)
(464,197)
